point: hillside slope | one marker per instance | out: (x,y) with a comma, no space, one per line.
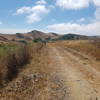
(45,36)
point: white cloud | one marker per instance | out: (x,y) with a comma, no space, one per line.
(89,29)
(41,2)
(96,2)
(23,10)
(40,9)
(97,14)
(72,4)
(81,20)
(12,30)
(34,13)
(33,18)
(35,9)
(76,4)
(1,23)
(37,13)
(92,28)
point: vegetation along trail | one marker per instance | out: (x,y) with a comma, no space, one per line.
(55,72)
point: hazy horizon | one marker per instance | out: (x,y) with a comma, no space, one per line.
(49,33)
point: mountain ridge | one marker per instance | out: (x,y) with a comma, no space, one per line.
(35,34)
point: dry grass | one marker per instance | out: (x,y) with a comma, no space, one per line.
(88,47)
(36,80)
(12,61)
(31,79)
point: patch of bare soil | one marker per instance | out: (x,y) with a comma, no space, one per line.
(37,86)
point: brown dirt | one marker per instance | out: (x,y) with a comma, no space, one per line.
(80,75)
(56,73)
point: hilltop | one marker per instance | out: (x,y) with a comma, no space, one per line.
(32,35)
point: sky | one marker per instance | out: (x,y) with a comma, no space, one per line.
(60,16)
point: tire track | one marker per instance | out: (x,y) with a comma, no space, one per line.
(79,87)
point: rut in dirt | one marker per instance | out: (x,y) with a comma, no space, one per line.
(55,74)
(79,87)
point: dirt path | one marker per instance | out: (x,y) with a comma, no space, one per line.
(81,79)
(56,73)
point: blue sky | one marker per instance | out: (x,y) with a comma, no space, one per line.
(62,16)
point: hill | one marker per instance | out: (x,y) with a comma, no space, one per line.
(29,36)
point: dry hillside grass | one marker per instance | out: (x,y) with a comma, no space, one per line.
(88,47)
(22,72)
(37,80)
(12,58)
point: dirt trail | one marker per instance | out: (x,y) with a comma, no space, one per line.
(56,73)
(81,79)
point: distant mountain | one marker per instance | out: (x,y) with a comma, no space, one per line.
(72,37)
(2,38)
(36,34)
(31,35)
(53,34)
(41,35)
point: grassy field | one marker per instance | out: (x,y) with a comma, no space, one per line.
(88,47)
(12,58)
(31,78)
(25,69)
(4,48)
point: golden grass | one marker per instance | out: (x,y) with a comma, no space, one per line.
(36,80)
(88,47)
(12,61)
(32,78)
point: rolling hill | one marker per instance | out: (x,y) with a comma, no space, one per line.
(45,36)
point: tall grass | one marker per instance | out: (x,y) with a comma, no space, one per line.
(89,47)
(13,60)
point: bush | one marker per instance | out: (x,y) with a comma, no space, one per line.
(22,41)
(23,55)
(37,40)
(13,61)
